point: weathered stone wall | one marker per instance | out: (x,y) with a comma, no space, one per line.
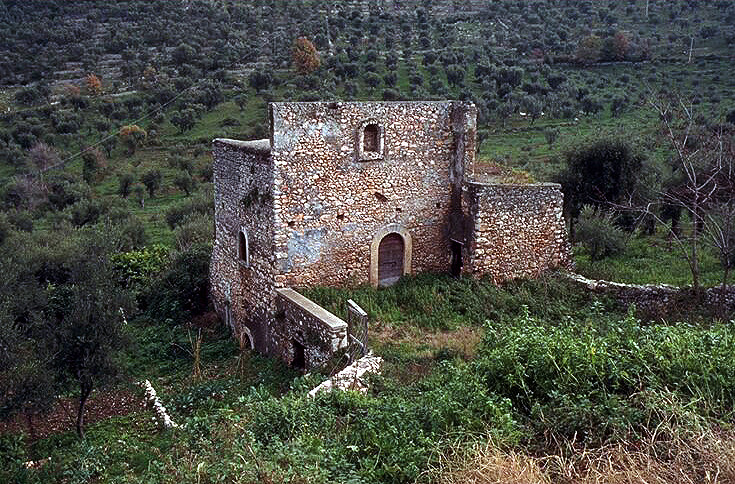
(331,202)
(660,298)
(316,199)
(464,131)
(243,197)
(297,318)
(514,230)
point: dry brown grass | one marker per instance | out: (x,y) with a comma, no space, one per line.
(486,464)
(706,458)
(421,348)
(462,341)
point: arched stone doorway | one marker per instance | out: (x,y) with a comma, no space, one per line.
(390,255)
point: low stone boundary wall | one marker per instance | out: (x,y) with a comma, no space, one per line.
(301,325)
(657,297)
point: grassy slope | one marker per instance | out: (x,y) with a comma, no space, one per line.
(438,336)
(651,260)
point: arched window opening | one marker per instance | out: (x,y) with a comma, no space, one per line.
(371,139)
(243,248)
(370,142)
(244,338)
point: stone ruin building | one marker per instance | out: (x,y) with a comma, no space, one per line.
(348,193)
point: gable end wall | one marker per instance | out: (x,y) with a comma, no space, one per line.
(330,202)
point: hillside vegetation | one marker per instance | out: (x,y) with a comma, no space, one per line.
(107,113)
(471,369)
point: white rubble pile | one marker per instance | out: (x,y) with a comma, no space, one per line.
(351,377)
(159,411)
(602,284)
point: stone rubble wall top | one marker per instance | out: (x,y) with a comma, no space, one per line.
(260,146)
(481,184)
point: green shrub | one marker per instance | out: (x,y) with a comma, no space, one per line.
(125,183)
(597,232)
(131,233)
(601,171)
(195,229)
(401,425)
(5,227)
(136,268)
(152,180)
(551,135)
(201,203)
(65,191)
(20,220)
(180,162)
(84,212)
(12,456)
(184,182)
(181,291)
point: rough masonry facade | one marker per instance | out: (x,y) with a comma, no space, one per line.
(348,193)
(514,230)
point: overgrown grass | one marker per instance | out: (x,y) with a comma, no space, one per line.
(602,377)
(440,302)
(553,361)
(650,260)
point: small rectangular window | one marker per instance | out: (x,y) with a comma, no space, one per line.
(370,139)
(370,143)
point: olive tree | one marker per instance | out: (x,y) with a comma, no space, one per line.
(599,173)
(61,318)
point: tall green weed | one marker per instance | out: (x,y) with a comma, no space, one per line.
(392,435)
(586,377)
(434,301)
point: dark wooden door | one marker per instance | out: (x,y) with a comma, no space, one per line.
(390,259)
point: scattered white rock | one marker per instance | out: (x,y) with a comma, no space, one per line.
(159,411)
(351,377)
(36,464)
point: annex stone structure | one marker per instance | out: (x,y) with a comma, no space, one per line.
(348,193)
